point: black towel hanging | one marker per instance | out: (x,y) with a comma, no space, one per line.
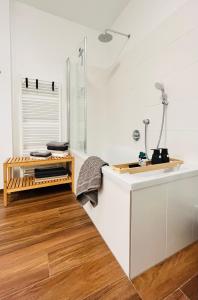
(53,86)
(26,82)
(37,84)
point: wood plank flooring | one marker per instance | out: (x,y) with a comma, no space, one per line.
(168,276)
(177,295)
(49,249)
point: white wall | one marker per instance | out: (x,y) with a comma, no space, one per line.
(41,43)
(5,87)
(164,48)
(121,93)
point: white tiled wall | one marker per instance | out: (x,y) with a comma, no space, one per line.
(164,48)
(5,87)
(41,43)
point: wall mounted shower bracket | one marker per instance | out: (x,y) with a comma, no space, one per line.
(118,32)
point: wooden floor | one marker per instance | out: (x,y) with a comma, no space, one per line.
(49,249)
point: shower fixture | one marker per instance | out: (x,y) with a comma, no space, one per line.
(106,36)
(160,87)
(164,98)
(80,55)
(80,52)
(146,123)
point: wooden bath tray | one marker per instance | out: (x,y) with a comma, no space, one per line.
(133,168)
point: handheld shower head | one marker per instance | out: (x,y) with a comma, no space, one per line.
(159,86)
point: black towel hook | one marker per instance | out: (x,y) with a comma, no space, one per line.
(26,82)
(37,84)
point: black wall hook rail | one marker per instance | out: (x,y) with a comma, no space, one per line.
(27,81)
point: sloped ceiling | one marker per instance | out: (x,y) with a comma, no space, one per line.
(96,14)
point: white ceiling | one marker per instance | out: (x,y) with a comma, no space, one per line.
(97,14)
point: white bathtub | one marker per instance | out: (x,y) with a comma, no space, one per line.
(146,179)
(146,217)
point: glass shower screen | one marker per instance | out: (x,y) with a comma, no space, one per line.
(76,99)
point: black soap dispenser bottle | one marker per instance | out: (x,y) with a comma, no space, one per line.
(165,155)
(156,157)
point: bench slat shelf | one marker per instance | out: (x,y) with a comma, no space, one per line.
(28,183)
(16,184)
(29,162)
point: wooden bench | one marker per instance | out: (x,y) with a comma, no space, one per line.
(15,184)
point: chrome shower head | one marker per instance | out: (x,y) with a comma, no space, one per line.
(105,37)
(159,86)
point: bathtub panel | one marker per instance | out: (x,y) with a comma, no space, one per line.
(195,214)
(148,217)
(112,215)
(195,209)
(148,228)
(181,214)
(112,219)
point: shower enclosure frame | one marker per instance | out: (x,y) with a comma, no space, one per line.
(68,97)
(68,93)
